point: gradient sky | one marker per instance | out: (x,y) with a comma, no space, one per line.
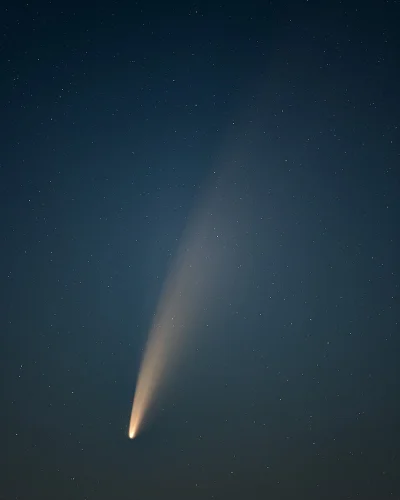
(114,117)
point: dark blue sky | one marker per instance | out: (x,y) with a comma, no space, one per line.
(113,118)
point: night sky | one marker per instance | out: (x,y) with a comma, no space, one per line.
(115,119)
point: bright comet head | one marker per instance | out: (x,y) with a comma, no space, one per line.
(132,431)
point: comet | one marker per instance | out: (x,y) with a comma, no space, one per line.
(190,287)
